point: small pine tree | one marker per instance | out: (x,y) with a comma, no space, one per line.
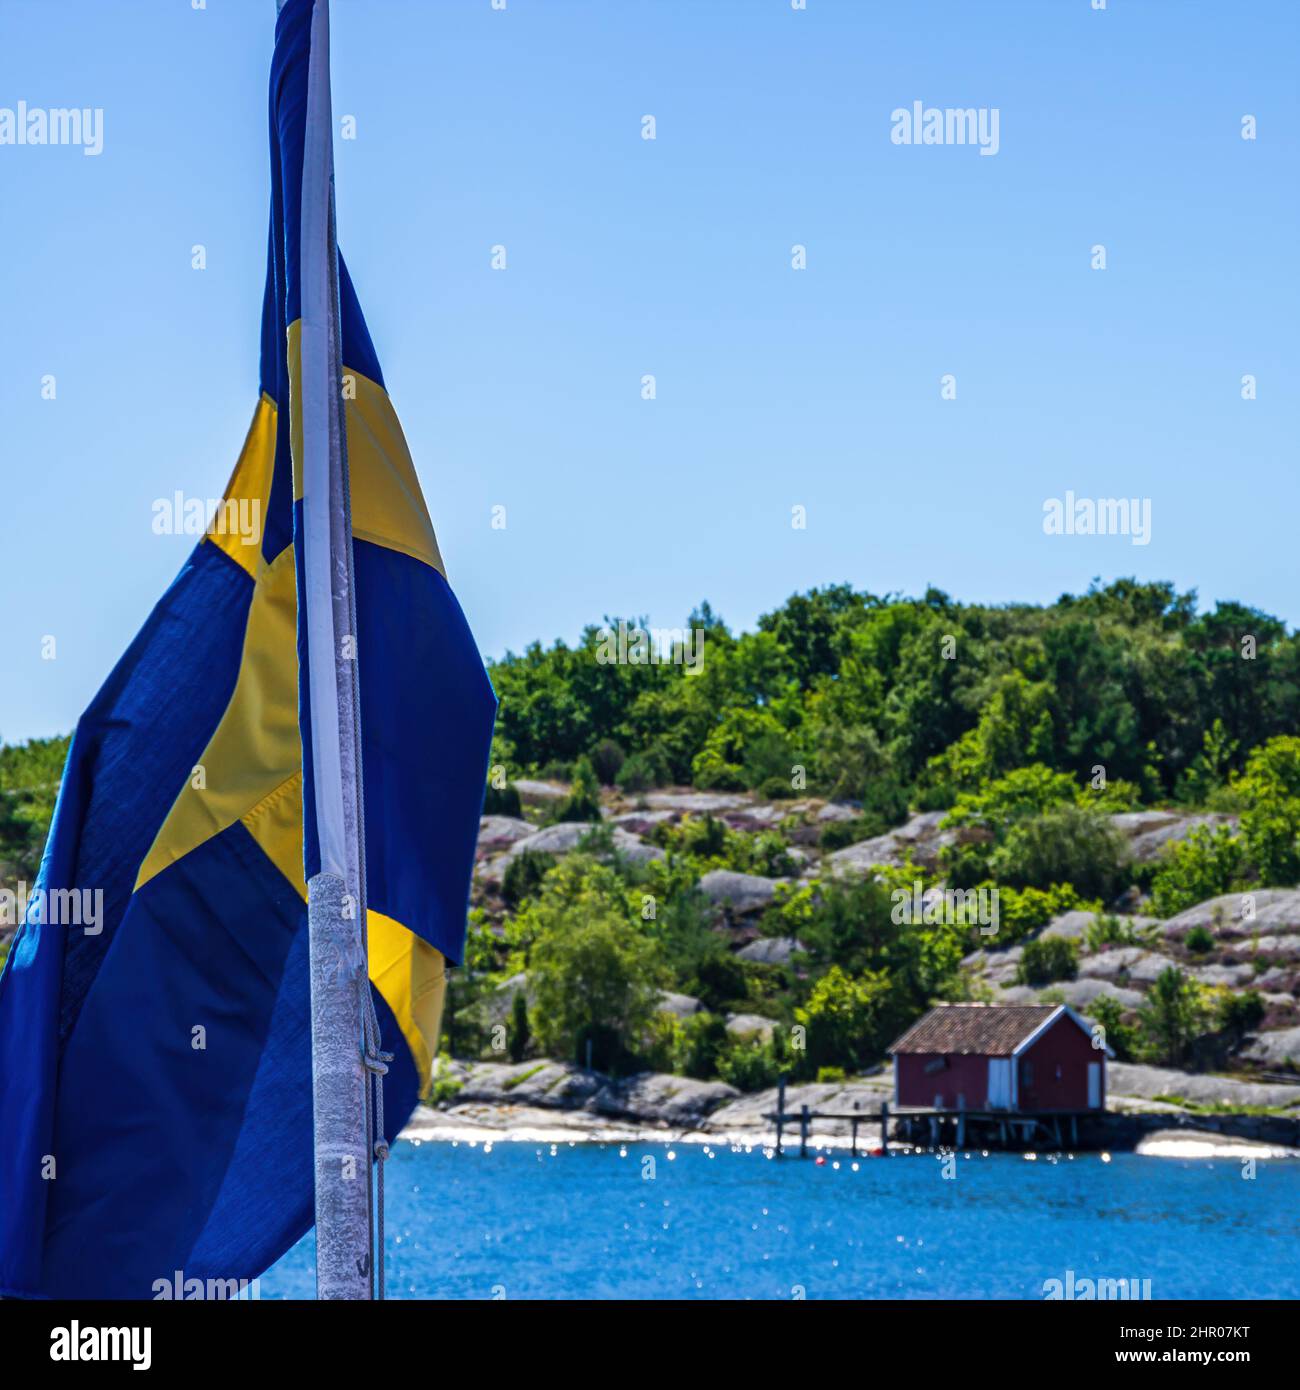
(519,1034)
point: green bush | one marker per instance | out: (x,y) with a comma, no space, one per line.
(607,759)
(1210,861)
(1110,929)
(502,801)
(524,875)
(1024,910)
(777,789)
(640,773)
(1070,844)
(749,1065)
(583,801)
(837,834)
(702,1039)
(1043,962)
(443,1087)
(1239,1014)
(1199,940)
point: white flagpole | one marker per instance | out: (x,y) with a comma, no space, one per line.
(336,896)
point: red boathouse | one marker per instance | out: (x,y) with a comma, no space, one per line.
(1020,1058)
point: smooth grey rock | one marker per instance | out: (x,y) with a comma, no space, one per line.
(1120,960)
(641,822)
(919,839)
(654,1096)
(1288,947)
(1276,912)
(837,810)
(1223,974)
(500,832)
(770,950)
(696,803)
(755,817)
(544,1083)
(1069,926)
(750,1026)
(838,1097)
(1082,994)
(1149,832)
(679,1005)
(881,851)
(741,892)
(1073,926)
(568,835)
(1275,1049)
(1128,1079)
(540,791)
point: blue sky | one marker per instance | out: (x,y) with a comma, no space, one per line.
(775,388)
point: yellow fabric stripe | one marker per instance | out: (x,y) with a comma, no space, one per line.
(251,770)
(256,747)
(387,504)
(250,482)
(412,977)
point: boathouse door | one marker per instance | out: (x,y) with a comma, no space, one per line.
(999,1083)
(1094,1085)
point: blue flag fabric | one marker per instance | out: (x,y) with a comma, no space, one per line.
(155,1065)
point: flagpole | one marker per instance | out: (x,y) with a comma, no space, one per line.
(336,895)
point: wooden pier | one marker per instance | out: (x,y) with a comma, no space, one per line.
(925,1128)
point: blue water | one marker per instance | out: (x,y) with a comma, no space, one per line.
(521,1220)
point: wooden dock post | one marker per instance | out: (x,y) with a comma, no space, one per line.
(803,1131)
(780,1113)
(884,1129)
(853,1143)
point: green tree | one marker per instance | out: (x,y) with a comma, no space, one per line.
(849,1021)
(519,1033)
(1121,1037)
(583,801)
(595,978)
(1270,825)
(1043,962)
(1209,862)
(1172,1017)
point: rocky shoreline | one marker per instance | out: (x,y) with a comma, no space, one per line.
(552,1103)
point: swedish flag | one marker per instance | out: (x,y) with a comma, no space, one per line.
(155,1073)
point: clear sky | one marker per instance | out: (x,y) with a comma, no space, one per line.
(776,388)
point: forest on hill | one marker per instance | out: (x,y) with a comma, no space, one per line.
(913,701)
(1023,737)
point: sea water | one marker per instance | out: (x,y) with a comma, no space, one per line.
(652,1221)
